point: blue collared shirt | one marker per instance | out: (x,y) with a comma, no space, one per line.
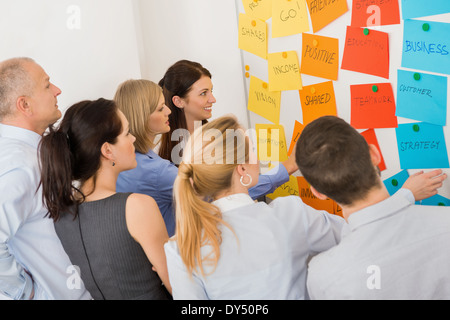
(155,177)
(28,240)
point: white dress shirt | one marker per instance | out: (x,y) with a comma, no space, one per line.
(267,257)
(395,250)
(28,240)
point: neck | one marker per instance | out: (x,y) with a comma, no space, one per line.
(105,185)
(375,196)
(24,125)
(235,189)
(192,124)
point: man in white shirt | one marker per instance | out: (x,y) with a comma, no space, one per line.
(395,249)
(33,264)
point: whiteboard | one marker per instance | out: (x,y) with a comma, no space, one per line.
(291,110)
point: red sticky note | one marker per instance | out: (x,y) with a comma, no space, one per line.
(366,51)
(373,106)
(375,13)
(371,138)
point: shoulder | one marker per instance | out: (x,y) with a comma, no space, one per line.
(139,202)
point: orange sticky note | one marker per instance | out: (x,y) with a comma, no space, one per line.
(375,13)
(253,35)
(366,51)
(320,56)
(373,106)
(311,200)
(290,188)
(261,9)
(318,100)
(371,138)
(289,17)
(284,71)
(298,129)
(323,12)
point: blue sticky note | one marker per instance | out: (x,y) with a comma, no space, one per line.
(421,8)
(394,183)
(426,46)
(421,146)
(422,97)
(436,200)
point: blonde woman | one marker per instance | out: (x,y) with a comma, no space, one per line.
(142,103)
(229,247)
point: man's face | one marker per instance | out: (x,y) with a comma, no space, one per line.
(43,101)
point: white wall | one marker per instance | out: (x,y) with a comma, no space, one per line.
(87,51)
(200,30)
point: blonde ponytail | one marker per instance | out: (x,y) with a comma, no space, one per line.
(198,222)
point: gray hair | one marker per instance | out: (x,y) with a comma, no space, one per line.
(15,82)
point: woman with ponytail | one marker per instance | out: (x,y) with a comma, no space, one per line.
(228,247)
(115,239)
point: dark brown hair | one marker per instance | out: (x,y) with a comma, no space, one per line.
(72,153)
(178,81)
(334,158)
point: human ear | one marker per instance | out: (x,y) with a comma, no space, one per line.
(107,151)
(23,107)
(374,154)
(177,101)
(318,195)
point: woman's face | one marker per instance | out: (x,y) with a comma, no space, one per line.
(159,119)
(124,150)
(199,101)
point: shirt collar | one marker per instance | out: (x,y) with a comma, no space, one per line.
(381,210)
(233,202)
(29,137)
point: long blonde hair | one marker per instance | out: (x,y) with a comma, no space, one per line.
(138,99)
(202,175)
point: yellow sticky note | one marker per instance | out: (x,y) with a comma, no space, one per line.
(311,200)
(289,17)
(253,35)
(320,56)
(318,100)
(271,142)
(261,9)
(284,71)
(290,188)
(264,102)
(323,12)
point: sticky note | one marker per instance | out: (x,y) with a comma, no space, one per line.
(290,188)
(289,17)
(371,138)
(436,200)
(264,102)
(320,56)
(271,142)
(395,183)
(311,200)
(375,13)
(298,129)
(253,35)
(421,146)
(318,100)
(366,51)
(284,71)
(422,97)
(421,8)
(373,106)
(426,46)
(261,9)
(323,12)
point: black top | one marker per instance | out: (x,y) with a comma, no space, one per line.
(113,265)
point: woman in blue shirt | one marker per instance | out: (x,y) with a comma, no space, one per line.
(143,103)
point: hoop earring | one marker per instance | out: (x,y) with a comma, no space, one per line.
(246,184)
